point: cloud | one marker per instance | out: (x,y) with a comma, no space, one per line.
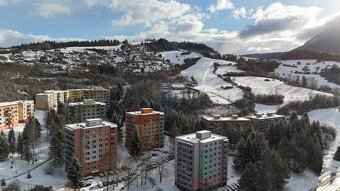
(240,13)
(278,17)
(147,11)
(10,38)
(50,10)
(221,5)
(6,2)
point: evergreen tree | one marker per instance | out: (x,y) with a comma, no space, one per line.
(4,149)
(56,147)
(248,181)
(337,154)
(317,158)
(11,141)
(20,145)
(134,145)
(74,174)
(239,160)
(3,182)
(3,134)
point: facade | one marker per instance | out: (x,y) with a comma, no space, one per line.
(93,143)
(59,96)
(25,110)
(99,94)
(201,161)
(217,123)
(44,101)
(262,121)
(9,116)
(76,95)
(149,126)
(88,109)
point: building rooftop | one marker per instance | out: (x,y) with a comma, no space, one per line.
(87,102)
(3,104)
(231,118)
(207,136)
(90,123)
(265,116)
(144,111)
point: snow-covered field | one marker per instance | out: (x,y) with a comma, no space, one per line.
(312,65)
(210,83)
(175,56)
(260,85)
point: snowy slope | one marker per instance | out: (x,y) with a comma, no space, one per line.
(260,86)
(210,83)
(175,56)
(292,66)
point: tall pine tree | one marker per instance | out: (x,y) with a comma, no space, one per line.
(4,150)
(11,141)
(74,174)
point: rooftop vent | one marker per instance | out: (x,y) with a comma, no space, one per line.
(146,110)
(234,116)
(217,116)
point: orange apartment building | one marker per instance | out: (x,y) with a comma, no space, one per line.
(11,113)
(93,143)
(149,126)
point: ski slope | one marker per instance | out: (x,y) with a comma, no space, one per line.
(175,56)
(261,85)
(210,83)
(288,68)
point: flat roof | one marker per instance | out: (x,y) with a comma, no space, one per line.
(211,118)
(82,103)
(75,126)
(265,116)
(2,104)
(192,137)
(140,113)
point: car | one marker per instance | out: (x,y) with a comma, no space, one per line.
(86,183)
(88,178)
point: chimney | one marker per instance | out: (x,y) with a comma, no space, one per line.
(217,117)
(234,116)
(146,110)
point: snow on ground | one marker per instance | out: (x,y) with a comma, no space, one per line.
(260,85)
(175,56)
(313,66)
(84,49)
(226,67)
(261,108)
(305,181)
(210,83)
(20,166)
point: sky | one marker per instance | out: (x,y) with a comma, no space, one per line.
(229,26)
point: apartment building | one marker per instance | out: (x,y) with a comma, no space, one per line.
(88,109)
(9,115)
(201,161)
(262,121)
(25,110)
(99,94)
(59,96)
(44,101)
(149,126)
(76,95)
(93,143)
(217,123)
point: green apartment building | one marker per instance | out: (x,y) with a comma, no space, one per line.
(88,109)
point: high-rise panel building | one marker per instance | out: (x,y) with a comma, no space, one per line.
(93,143)
(88,109)
(201,161)
(147,125)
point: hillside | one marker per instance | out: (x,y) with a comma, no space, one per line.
(327,41)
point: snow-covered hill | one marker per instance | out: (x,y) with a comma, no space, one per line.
(178,57)
(294,68)
(210,83)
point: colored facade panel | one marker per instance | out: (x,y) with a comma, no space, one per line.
(88,109)
(201,161)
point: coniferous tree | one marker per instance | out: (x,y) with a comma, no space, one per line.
(134,145)
(248,181)
(337,154)
(74,174)
(317,158)
(4,149)
(11,141)
(20,145)
(239,160)
(3,134)
(3,182)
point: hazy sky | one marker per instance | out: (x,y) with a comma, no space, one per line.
(233,26)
